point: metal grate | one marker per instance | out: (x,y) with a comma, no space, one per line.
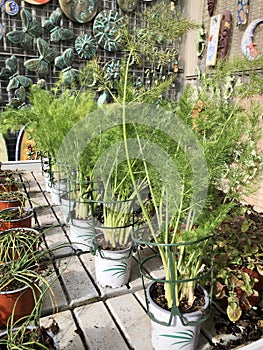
(40,13)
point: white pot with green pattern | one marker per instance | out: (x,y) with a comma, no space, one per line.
(179,335)
(113,267)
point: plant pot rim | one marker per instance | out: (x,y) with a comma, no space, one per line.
(116,250)
(29,210)
(19,229)
(186,314)
(18,290)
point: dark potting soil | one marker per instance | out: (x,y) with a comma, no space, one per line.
(13,214)
(36,337)
(248,328)
(158,296)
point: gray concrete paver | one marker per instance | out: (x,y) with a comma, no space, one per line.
(67,335)
(99,328)
(79,286)
(133,321)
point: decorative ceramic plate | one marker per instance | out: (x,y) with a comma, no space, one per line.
(25,147)
(128,5)
(105,29)
(85,46)
(11,8)
(81,11)
(37,2)
(2,31)
(3,149)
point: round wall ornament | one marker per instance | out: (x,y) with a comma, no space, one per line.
(11,8)
(106,29)
(37,2)
(128,5)
(85,46)
(81,11)
(247,45)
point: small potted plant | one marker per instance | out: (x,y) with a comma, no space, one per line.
(16,241)
(16,217)
(112,239)
(26,336)
(9,199)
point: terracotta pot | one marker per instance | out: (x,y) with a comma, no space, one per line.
(13,223)
(19,302)
(10,203)
(54,346)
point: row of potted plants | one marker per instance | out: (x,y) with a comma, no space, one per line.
(24,265)
(183,164)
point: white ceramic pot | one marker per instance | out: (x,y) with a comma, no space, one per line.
(113,268)
(48,185)
(177,336)
(81,233)
(57,190)
(66,206)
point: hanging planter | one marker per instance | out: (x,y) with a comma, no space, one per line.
(15,217)
(184,328)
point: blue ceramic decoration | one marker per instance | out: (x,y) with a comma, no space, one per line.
(106,29)
(2,31)
(2,3)
(57,33)
(19,98)
(11,8)
(31,29)
(112,70)
(85,46)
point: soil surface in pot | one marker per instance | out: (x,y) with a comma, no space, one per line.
(14,214)
(248,328)
(105,245)
(158,296)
